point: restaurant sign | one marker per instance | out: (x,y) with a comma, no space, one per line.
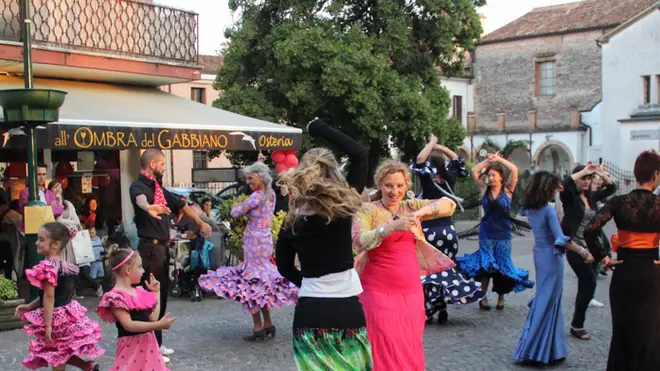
(57,136)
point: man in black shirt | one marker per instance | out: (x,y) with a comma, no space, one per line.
(153,205)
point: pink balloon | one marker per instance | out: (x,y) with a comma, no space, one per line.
(281,167)
(291,161)
(291,152)
(278,156)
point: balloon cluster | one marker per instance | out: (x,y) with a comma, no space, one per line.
(104,172)
(284,160)
(62,172)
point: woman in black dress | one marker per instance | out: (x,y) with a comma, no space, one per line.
(329,326)
(635,286)
(580,205)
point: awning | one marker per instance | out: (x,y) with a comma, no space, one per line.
(105,116)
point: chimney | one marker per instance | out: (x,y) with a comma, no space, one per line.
(531,119)
(501,121)
(471,122)
(575,117)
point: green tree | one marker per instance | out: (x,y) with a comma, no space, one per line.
(367,67)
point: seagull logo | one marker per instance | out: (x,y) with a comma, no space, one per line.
(246,138)
(10,133)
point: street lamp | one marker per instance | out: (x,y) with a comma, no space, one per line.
(30,108)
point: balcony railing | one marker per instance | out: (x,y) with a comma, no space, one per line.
(134,28)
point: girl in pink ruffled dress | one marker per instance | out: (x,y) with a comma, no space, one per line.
(135,312)
(64,334)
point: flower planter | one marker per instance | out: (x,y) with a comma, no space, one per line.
(31,105)
(7,319)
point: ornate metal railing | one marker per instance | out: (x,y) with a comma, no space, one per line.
(134,28)
(623,178)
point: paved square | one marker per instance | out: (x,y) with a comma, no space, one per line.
(208,335)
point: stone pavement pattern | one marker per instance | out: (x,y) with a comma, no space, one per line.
(208,335)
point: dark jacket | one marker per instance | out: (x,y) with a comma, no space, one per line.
(574,206)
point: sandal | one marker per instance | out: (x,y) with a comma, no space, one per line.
(483,306)
(580,334)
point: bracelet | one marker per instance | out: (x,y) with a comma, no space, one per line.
(381,230)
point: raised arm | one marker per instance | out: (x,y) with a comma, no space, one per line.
(608,183)
(513,171)
(476,174)
(426,151)
(358,155)
(286,257)
(242,208)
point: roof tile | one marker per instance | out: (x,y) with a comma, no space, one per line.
(567,18)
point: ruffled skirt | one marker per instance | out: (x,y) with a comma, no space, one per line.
(493,259)
(449,287)
(73,335)
(255,284)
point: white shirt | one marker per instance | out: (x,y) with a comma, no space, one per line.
(334,285)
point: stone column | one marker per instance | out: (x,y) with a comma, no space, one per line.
(129,167)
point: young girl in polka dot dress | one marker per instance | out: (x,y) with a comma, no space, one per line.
(64,334)
(135,312)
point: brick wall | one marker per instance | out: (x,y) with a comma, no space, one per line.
(505,80)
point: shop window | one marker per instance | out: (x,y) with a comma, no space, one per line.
(198,95)
(200,159)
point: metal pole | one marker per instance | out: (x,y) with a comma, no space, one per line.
(32,256)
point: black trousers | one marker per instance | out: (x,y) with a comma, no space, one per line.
(84,280)
(586,274)
(156,261)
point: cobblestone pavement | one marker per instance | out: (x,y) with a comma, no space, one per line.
(208,335)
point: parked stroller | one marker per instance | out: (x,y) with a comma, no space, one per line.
(190,262)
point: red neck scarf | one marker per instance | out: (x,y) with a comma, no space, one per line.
(159,196)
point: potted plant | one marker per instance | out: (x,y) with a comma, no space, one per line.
(8,302)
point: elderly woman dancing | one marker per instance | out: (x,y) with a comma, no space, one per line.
(255,282)
(389,234)
(329,328)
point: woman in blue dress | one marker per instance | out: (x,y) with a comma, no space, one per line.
(437,179)
(493,258)
(543,338)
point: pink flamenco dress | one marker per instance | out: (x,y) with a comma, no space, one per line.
(73,334)
(255,283)
(135,351)
(393,296)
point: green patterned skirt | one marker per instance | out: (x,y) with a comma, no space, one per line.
(332,349)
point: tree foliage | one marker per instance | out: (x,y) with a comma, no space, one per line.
(367,67)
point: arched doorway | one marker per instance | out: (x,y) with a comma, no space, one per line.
(554,157)
(521,158)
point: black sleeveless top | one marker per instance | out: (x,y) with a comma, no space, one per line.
(141,315)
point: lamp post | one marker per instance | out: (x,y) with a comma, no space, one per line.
(29,108)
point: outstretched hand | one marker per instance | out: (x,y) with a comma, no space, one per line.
(156,210)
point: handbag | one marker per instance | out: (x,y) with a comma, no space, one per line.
(82,248)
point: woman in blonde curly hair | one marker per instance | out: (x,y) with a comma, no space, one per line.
(393,256)
(329,328)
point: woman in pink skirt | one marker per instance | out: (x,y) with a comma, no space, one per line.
(393,255)
(135,312)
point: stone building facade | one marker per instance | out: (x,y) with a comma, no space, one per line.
(538,80)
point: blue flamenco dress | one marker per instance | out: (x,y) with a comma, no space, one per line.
(543,338)
(493,258)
